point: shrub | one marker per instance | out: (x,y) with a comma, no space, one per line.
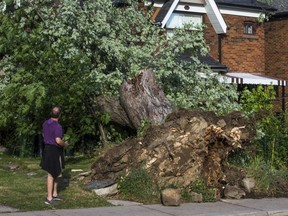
(269,181)
(138,185)
(199,186)
(271,139)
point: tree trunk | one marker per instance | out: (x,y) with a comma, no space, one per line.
(140,99)
(143,99)
(103,135)
(112,106)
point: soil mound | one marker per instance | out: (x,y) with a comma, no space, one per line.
(190,144)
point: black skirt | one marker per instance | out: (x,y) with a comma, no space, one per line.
(53,160)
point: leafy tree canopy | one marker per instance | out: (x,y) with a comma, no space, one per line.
(64,53)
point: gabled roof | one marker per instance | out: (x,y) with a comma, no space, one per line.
(163,12)
(166,11)
(282,6)
(215,17)
(213,13)
(207,59)
(212,63)
(249,4)
(120,3)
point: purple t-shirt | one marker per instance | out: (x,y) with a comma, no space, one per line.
(51,130)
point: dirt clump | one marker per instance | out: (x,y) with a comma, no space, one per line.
(190,144)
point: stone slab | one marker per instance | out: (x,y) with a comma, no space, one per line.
(123,203)
(5,209)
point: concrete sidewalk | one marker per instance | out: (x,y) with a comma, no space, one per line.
(244,207)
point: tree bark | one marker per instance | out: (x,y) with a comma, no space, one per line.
(103,134)
(143,99)
(140,99)
(112,106)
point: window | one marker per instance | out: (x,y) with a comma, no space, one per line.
(178,20)
(249,28)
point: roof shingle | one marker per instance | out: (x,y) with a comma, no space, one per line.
(246,3)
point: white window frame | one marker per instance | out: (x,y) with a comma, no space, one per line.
(179,19)
(249,28)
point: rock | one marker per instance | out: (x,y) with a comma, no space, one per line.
(221,123)
(98,184)
(233,192)
(195,197)
(123,203)
(249,184)
(107,190)
(11,166)
(76,170)
(81,176)
(171,197)
(3,149)
(5,209)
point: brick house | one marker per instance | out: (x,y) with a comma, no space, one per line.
(276,41)
(243,46)
(235,35)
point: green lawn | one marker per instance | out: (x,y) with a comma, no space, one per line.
(25,188)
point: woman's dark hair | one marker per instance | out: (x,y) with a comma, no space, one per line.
(56,111)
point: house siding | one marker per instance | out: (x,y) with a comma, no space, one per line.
(240,53)
(276,48)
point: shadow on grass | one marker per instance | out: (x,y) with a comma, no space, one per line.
(64,180)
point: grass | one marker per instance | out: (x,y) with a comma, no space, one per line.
(138,186)
(269,181)
(25,188)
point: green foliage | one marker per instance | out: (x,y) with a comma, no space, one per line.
(104,118)
(198,186)
(190,83)
(138,185)
(241,157)
(259,99)
(269,180)
(209,194)
(116,134)
(144,125)
(64,54)
(271,140)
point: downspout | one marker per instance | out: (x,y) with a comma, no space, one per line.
(284,83)
(220,48)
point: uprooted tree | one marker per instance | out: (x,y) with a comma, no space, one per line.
(179,148)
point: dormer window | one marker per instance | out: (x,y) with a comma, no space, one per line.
(249,28)
(178,20)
